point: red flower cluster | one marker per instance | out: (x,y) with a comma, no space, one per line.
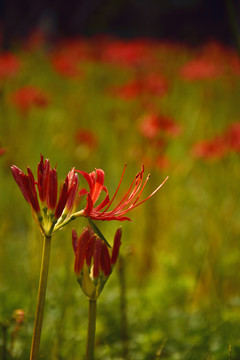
(201,69)
(2,151)
(210,149)
(9,65)
(47,185)
(129,201)
(89,248)
(152,84)
(152,124)
(220,145)
(28,97)
(86,137)
(65,65)
(67,57)
(128,53)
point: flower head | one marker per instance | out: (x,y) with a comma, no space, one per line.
(128,202)
(93,261)
(42,195)
(28,96)
(9,65)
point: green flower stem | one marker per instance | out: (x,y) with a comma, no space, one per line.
(41,299)
(92,312)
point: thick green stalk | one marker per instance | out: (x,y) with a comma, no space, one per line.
(41,299)
(92,312)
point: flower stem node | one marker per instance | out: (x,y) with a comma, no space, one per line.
(93,260)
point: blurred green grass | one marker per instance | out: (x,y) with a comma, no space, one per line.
(181,250)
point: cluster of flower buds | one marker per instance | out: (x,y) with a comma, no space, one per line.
(49,209)
(93,261)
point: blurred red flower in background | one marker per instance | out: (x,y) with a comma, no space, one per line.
(151,84)
(29,96)
(2,151)
(152,124)
(9,65)
(232,137)
(127,53)
(68,55)
(210,149)
(65,65)
(86,137)
(201,69)
(220,145)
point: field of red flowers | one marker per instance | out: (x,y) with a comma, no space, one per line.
(101,103)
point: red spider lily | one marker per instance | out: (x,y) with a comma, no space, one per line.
(86,137)
(29,96)
(152,124)
(129,201)
(152,84)
(68,56)
(9,65)
(201,69)
(47,185)
(2,151)
(210,149)
(93,260)
(128,53)
(232,137)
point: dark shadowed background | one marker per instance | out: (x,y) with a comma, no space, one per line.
(192,21)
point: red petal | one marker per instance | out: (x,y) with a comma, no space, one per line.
(116,246)
(81,250)
(62,200)
(96,257)
(105,260)
(52,189)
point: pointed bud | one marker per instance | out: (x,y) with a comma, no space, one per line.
(52,189)
(96,257)
(19,177)
(32,193)
(43,172)
(81,250)
(116,246)
(105,260)
(89,251)
(62,199)
(73,189)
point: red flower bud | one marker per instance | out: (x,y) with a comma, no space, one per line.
(105,260)
(81,250)
(73,189)
(96,257)
(52,189)
(43,172)
(19,177)
(116,246)
(89,251)
(62,200)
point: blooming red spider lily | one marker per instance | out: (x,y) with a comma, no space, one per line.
(45,203)
(129,201)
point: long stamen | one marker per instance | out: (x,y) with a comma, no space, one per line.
(138,184)
(116,189)
(135,201)
(133,207)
